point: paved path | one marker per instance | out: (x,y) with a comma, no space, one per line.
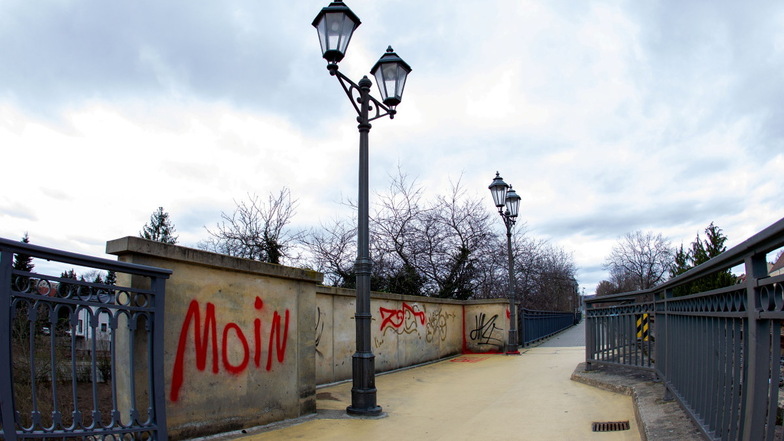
(493,397)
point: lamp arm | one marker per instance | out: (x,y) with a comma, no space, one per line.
(509,221)
(352,92)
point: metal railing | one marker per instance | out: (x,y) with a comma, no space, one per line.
(79,359)
(718,351)
(536,325)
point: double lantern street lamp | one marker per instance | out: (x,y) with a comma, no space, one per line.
(505,197)
(335,25)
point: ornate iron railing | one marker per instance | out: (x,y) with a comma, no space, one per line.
(718,352)
(537,325)
(80,359)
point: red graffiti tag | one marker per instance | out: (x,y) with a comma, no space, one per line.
(396,318)
(206,337)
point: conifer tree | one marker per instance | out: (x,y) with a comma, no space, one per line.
(700,252)
(22,262)
(111,278)
(160,228)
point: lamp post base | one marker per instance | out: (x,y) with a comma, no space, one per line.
(368,412)
(363,393)
(363,403)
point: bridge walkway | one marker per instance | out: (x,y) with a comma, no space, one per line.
(499,397)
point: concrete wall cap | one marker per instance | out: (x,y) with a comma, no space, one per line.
(406,298)
(137,245)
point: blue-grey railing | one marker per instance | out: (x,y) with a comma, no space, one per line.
(718,352)
(80,360)
(537,325)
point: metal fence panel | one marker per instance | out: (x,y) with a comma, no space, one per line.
(718,352)
(68,350)
(537,325)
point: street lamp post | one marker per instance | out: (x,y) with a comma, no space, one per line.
(335,25)
(505,197)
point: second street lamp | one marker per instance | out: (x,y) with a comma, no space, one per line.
(505,197)
(335,25)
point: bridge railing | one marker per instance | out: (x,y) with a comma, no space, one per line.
(718,351)
(535,325)
(66,347)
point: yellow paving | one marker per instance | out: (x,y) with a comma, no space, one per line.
(494,397)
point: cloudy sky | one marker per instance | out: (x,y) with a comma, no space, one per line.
(606,116)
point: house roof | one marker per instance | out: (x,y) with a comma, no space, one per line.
(778,266)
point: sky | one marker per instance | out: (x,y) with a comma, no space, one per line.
(607,117)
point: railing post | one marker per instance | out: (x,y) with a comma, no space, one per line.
(6,384)
(661,342)
(158,388)
(589,338)
(756,372)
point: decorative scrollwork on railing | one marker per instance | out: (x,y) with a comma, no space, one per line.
(70,342)
(771,297)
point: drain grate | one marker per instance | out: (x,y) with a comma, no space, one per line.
(610,426)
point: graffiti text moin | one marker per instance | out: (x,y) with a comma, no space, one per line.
(205,337)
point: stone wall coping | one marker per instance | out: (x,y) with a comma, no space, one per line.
(137,245)
(406,298)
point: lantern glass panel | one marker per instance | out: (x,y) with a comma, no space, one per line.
(512,203)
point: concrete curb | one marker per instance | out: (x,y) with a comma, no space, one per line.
(657,419)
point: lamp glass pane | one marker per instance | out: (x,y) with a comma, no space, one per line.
(400,83)
(390,78)
(499,194)
(381,82)
(513,203)
(339,32)
(322,34)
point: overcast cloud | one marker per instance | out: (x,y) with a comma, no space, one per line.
(606,116)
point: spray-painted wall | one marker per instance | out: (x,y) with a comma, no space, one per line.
(239,342)
(247,342)
(406,330)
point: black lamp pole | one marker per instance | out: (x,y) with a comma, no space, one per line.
(505,197)
(335,25)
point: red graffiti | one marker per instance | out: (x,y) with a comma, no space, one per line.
(205,338)
(396,318)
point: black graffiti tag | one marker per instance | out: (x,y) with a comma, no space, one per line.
(484,330)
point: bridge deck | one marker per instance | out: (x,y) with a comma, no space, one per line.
(529,396)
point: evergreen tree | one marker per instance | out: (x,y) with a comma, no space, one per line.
(111,278)
(160,228)
(700,252)
(682,262)
(64,288)
(22,262)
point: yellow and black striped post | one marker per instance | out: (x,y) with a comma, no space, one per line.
(642,327)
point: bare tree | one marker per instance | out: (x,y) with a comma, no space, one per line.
(447,247)
(456,238)
(396,230)
(256,230)
(640,260)
(333,249)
